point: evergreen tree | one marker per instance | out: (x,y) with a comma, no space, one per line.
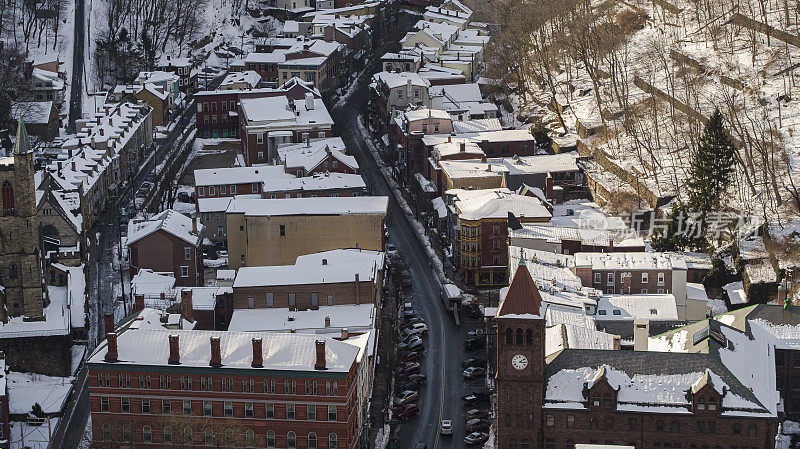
(682,231)
(711,166)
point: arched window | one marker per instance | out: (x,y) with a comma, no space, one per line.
(249,438)
(609,423)
(208,436)
(50,231)
(8,198)
(166,435)
(270,438)
(291,440)
(13,272)
(519,336)
(512,443)
(312,440)
(285,387)
(593,423)
(333,441)
(737,429)
(675,427)
(529,337)
(751,430)
(660,425)
(126,432)
(509,336)
(106,432)
(187,435)
(147,434)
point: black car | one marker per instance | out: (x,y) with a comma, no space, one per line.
(475,398)
(417,378)
(474,311)
(473,344)
(476,362)
(412,385)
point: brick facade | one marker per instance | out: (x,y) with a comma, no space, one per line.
(163,252)
(366,292)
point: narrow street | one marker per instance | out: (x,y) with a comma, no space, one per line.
(76,85)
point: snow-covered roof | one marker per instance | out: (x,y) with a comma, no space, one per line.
(274,57)
(353,317)
(318,181)
(249,77)
(476,125)
(155,319)
(280,351)
(629,261)
(327,267)
(736,293)
(309,158)
(148,283)
(57,320)
(446,149)
(33,112)
(497,203)
(239,175)
(310,206)
(278,111)
(655,307)
(585,214)
(168,221)
(204,298)
(466,169)
(425,113)
(564,336)
(393,79)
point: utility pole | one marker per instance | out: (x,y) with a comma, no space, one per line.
(121,274)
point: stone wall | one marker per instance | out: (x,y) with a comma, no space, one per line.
(51,356)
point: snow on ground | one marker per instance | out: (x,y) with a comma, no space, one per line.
(78,352)
(25,436)
(26,389)
(215,263)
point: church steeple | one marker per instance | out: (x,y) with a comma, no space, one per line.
(522,297)
(23,142)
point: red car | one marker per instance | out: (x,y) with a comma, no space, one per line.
(406,411)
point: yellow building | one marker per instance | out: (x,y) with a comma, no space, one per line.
(471,174)
(276,231)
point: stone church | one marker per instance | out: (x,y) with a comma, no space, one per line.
(20,262)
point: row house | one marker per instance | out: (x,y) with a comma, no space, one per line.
(169,242)
(393,91)
(408,130)
(328,278)
(184,68)
(724,397)
(430,36)
(264,64)
(231,181)
(159,100)
(355,40)
(314,61)
(294,29)
(277,231)
(463,102)
(569,240)
(402,61)
(267,123)
(106,152)
(218,110)
(447,16)
(163,388)
(438,75)
(480,249)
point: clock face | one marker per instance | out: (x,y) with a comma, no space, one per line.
(519,362)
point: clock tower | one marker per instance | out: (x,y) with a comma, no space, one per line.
(520,364)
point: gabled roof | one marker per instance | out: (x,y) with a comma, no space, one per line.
(522,299)
(168,221)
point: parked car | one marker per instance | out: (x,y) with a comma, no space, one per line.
(475,398)
(474,311)
(473,344)
(476,438)
(412,332)
(412,345)
(405,278)
(412,357)
(474,372)
(405,397)
(420,446)
(476,333)
(477,414)
(406,411)
(409,369)
(415,320)
(421,378)
(473,362)
(391,251)
(422,327)
(477,424)
(446,427)
(408,310)
(409,385)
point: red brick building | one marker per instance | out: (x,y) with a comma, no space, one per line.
(232,389)
(635,398)
(231,181)
(168,242)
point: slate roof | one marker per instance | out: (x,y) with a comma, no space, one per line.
(523,297)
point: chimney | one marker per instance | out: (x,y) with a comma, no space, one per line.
(163,296)
(309,101)
(617,342)
(641,332)
(73,165)
(548,187)
(187,308)
(102,132)
(138,302)
(113,352)
(408,88)
(462,147)
(488,167)
(108,323)
(357,290)
(324,261)
(345,333)
(327,321)
(216,353)
(258,355)
(194,225)
(449,138)
(174,353)
(320,364)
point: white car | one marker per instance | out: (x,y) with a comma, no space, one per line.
(446,427)
(416,328)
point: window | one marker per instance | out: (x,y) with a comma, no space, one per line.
(270,410)
(643,291)
(104,404)
(661,278)
(400,94)
(270,301)
(712,403)
(335,389)
(597,278)
(228,408)
(283,230)
(609,423)
(311,412)
(187,407)
(292,300)
(675,427)
(610,279)
(314,303)
(126,405)
(126,433)
(751,430)
(712,427)
(187,253)
(737,429)
(206,408)
(233,190)
(424,128)
(550,420)
(146,405)
(187,435)
(270,438)
(260,138)
(701,427)
(332,413)
(201,191)
(330,300)
(291,440)
(285,387)
(208,436)
(251,303)
(290,411)
(660,425)
(248,409)
(220,231)
(701,404)
(249,438)
(212,191)
(166,435)
(570,421)
(147,434)
(166,406)
(333,441)
(260,155)
(8,198)
(645,277)
(184,271)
